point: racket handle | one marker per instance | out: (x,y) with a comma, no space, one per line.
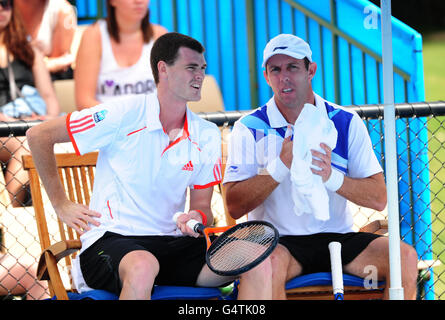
(336,270)
(192,223)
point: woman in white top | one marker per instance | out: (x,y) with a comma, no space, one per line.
(28,68)
(51,25)
(114,54)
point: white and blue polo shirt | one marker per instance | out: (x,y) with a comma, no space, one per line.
(141,178)
(256,139)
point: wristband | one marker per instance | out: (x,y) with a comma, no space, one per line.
(277,169)
(204,217)
(335,181)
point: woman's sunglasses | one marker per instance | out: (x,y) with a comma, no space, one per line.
(6,4)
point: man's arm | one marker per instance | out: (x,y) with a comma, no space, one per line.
(368,192)
(41,140)
(244,196)
(200,199)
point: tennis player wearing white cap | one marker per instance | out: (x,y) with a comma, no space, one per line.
(151,149)
(258,183)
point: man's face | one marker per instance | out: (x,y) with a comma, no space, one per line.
(5,16)
(289,80)
(186,75)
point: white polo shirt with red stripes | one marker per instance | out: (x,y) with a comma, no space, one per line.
(141,178)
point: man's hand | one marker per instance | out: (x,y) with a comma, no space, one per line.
(324,162)
(286,154)
(77,216)
(182,220)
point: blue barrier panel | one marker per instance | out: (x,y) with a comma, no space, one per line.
(195,14)
(300,25)
(315,42)
(81,8)
(287,21)
(228,62)
(261,38)
(345,73)
(274,17)
(182,17)
(243,70)
(162,12)
(211,42)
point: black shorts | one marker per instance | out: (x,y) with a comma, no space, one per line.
(312,251)
(180,259)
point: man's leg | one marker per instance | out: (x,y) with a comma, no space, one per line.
(137,272)
(376,254)
(255,284)
(284,268)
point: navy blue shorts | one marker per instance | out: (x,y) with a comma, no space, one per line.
(181,259)
(312,251)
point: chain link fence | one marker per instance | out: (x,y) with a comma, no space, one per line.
(420,136)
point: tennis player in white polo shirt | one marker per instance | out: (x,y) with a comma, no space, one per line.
(258,179)
(151,149)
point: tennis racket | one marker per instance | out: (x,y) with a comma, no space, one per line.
(336,270)
(239,248)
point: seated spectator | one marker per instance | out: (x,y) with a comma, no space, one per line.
(113,54)
(51,25)
(18,277)
(29,71)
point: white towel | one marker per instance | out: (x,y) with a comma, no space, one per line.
(308,191)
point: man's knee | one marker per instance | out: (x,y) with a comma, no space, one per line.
(261,272)
(408,257)
(377,254)
(409,260)
(280,259)
(284,265)
(138,267)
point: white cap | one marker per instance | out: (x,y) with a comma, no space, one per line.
(287,44)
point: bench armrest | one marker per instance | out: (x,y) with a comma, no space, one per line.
(377,227)
(58,250)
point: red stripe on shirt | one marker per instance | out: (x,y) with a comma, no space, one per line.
(217,170)
(136,131)
(81,119)
(185,135)
(197,145)
(109,209)
(70,134)
(83,129)
(217,173)
(208,185)
(81,124)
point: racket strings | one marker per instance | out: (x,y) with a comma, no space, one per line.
(242,247)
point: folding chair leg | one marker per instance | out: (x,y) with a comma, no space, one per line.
(56,280)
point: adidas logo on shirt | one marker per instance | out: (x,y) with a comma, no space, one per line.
(188,166)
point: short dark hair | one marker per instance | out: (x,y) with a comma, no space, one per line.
(306,63)
(166,49)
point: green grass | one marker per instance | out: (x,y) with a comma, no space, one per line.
(433,56)
(434,71)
